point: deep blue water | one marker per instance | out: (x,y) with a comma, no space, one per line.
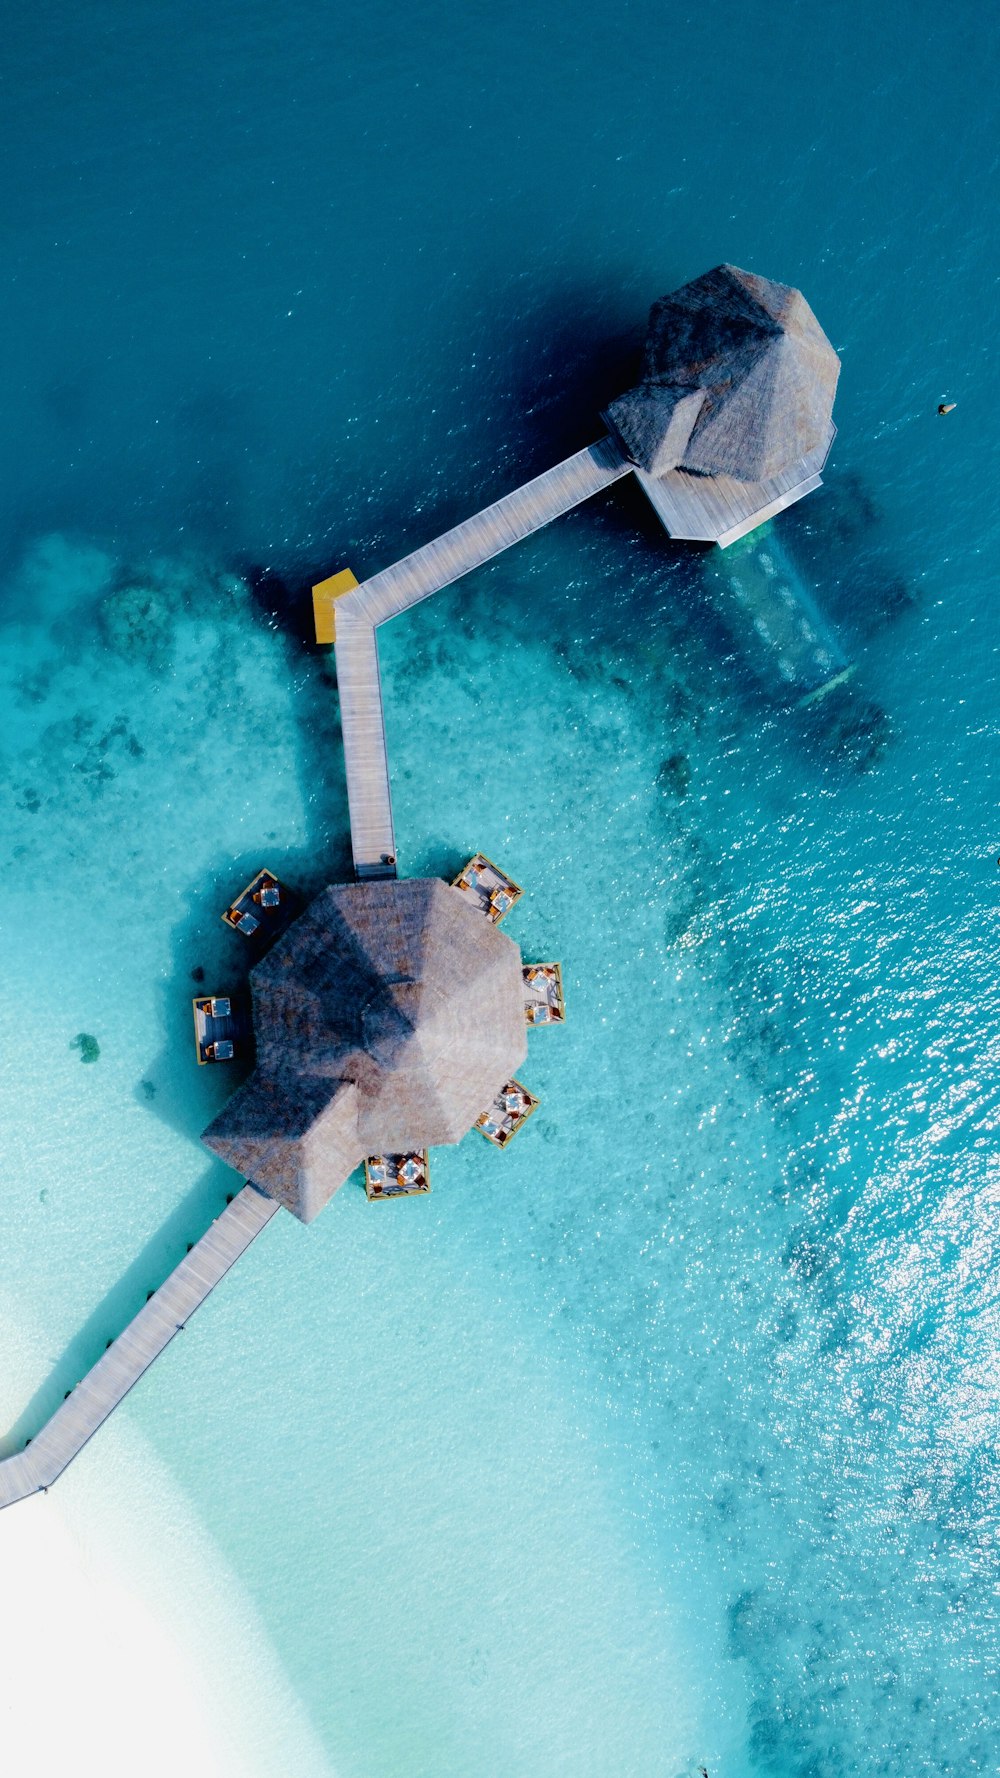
(668,1437)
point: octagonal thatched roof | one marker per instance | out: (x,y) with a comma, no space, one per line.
(386,1019)
(738,381)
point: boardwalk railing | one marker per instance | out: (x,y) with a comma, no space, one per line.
(108,1381)
(417,576)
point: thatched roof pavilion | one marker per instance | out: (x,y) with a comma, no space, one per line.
(732,420)
(387,1018)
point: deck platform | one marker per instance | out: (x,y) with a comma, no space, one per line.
(263,908)
(394,590)
(108,1381)
(508,1113)
(544,1003)
(325,596)
(493,892)
(220,1028)
(716,509)
(397,1175)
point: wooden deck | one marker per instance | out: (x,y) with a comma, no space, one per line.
(691,517)
(487,533)
(212,1028)
(716,509)
(492,890)
(107,1383)
(373,840)
(360,610)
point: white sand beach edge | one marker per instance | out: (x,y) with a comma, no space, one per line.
(87,1665)
(126,1636)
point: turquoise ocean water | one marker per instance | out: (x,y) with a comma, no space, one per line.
(669,1437)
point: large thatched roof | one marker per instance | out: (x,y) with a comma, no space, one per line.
(387,1018)
(738,381)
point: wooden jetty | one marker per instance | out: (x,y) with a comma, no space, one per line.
(730,423)
(108,1382)
(262,908)
(718,450)
(487,534)
(359,610)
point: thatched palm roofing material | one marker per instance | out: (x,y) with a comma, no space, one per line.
(738,380)
(386,1019)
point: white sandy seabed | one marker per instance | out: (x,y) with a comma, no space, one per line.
(103,1667)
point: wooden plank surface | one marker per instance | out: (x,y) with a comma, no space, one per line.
(359,684)
(489,532)
(770,511)
(108,1381)
(358,611)
(415,577)
(716,509)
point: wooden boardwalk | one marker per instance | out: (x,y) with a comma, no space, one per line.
(417,576)
(358,613)
(486,534)
(366,760)
(110,1379)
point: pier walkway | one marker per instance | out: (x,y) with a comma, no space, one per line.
(108,1381)
(407,582)
(359,611)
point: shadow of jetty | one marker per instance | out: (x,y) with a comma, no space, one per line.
(581,348)
(151,1266)
(284,602)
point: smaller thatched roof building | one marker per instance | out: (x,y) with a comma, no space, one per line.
(732,420)
(387,1018)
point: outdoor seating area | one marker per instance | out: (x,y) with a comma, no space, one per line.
(543,994)
(218,1029)
(494,892)
(397,1175)
(265,906)
(511,1108)
(385,1019)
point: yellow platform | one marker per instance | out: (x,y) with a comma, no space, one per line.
(325,597)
